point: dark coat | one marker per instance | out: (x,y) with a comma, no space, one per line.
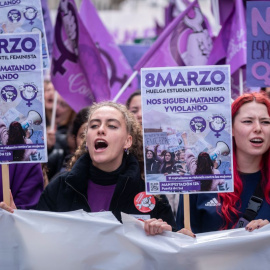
(68,192)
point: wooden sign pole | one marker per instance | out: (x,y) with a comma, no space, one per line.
(187,212)
(5,182)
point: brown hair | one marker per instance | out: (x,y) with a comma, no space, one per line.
(132,126)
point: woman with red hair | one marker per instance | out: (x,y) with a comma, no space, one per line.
(251,162)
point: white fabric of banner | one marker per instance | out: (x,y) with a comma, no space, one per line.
(78,240)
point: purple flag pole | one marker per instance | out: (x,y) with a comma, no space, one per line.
(124,87)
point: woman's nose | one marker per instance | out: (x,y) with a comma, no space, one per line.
(101,129)
(258,127)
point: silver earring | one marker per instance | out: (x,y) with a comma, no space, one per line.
(127,151)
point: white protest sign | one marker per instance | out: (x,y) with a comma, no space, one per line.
(192,105)
(21,16)
(22,112)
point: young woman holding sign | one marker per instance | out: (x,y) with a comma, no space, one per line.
(106,175)
(251,161)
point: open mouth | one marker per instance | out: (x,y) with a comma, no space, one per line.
(257,141)
(100,144)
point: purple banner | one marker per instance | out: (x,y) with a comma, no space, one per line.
(230,45)
(134,53)
(185,41)
(6,155)
(22,146)
(180,186)
(198,177)
(258,50)
(78,72)
(117,65)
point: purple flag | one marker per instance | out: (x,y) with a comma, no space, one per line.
(47,24)
(117,65)
(230,47)
(78,72)
(185,41)
(225,9)
(169,13)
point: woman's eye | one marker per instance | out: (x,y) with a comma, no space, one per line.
(93,126)
(134,111)
(266,122)
(247,121)
(112,127)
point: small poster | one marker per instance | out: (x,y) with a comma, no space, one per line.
(187,129)
(23,16)
(258,44)
(22,112)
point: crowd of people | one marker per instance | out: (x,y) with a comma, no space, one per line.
(96,164)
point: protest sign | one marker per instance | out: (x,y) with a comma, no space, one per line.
(22,113)
(192,106)
(21,17)
(258,45)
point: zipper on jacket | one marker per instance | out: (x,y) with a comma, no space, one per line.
(80,194)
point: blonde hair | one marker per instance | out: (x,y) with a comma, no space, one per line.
(132,126)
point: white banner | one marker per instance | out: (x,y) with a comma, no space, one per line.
(78,240)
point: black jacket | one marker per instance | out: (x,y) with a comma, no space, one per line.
(152,166)
(68,192)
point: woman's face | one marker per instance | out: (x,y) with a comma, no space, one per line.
(168,157)
(135,107)
(63,112)
(149,155)
(81,134)
(182,156)
(251,131)
(107,138)
(48,95)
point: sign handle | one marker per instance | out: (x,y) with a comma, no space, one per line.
(5,182)
(187,212)
(54,110)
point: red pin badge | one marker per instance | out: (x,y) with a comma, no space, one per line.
(144,203)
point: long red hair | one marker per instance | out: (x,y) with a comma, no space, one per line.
(229,209)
